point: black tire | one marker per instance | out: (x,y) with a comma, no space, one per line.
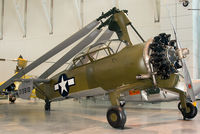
(116,117)
(185,3)
(192,113)
(179,106)
(12,99)
(47,105)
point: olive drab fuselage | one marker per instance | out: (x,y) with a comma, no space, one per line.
(109,73)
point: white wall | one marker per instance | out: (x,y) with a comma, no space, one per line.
(196,38)
(38,40)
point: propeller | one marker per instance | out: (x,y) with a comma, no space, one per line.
(187,78)
(15,60)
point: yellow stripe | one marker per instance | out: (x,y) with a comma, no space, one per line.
(194,103)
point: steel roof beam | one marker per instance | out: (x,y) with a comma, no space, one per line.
(48,15)
(21,18)
(2,19)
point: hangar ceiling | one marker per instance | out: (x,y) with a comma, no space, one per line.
(21,12)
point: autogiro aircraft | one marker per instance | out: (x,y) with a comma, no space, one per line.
(111,67)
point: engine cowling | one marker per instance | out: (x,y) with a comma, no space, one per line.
(164,56)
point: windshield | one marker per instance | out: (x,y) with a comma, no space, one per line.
(96,52)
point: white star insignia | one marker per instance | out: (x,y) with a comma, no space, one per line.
(62,84)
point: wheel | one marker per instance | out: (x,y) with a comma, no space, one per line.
(122,103)
(116,117)
(47,105)
(12,98)
(185,3)
(192,111)
(179,106)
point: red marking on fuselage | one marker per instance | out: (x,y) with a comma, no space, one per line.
(189,86)
(134,92)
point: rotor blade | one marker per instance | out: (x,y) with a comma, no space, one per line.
(2,59)
(104,37)
(187,78)
(85,42)
(188,81)
(52,52)
(173,28)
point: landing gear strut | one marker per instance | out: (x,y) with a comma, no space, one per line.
(116,117)
(122,103)
(192,111)
(47,105)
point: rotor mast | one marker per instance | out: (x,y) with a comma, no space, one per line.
(118,22)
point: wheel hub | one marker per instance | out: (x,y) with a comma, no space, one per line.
(113,117)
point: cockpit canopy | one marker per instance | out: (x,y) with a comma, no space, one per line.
(97,51)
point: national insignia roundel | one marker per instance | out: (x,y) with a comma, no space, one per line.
(63,85)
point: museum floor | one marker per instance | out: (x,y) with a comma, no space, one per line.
(69,117)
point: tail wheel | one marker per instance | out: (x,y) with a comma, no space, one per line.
(116,117)
(192,110)
(47,105)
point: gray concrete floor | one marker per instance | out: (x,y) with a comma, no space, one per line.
(69,117)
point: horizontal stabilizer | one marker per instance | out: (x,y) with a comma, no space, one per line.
(26,87)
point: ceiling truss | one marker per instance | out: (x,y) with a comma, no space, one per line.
(22,17)
(2,19)
(48,6)
(48,11)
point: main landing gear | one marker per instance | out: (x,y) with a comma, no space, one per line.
(116,117)
(187,109)
(12,98)
(192,111)
(47,105)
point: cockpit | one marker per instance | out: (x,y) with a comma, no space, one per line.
(96,52)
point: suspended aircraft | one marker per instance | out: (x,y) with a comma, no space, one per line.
(111,67)
(185,2)
(13,88)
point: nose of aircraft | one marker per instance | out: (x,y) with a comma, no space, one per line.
(163,56)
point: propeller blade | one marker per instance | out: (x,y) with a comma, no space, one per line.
(187,78)
(188,81)
(85,42)
(52,52)
(2,59)
(8,60)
